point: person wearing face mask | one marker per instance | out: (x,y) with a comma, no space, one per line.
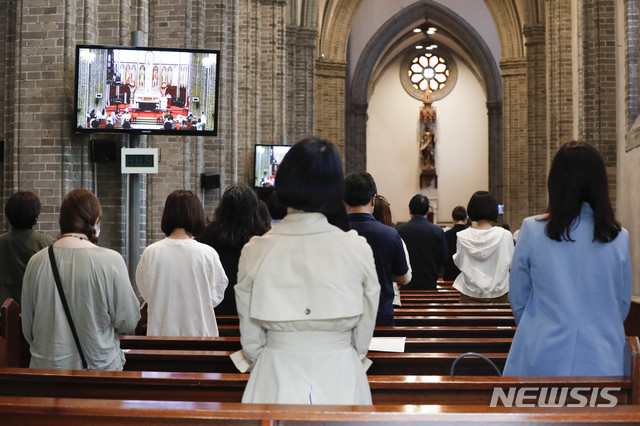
(95,284)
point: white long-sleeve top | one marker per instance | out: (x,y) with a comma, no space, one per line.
(484,258)
(182,282)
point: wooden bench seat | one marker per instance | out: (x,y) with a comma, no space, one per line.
(439,299)
(69,412)
(449,311)
(416,331)
(425,320)
(481,344)
(436,363)
(413,304)
(393,389)
(452,320)
(443,331)
(441,290)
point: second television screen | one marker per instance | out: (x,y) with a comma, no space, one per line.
(267,161)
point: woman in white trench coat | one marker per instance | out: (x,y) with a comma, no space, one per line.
(307,291)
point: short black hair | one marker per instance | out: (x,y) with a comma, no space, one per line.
(459,213)
(483,206)
(310,179)
(182,209)
(419,205)
(22,210)
(359,189)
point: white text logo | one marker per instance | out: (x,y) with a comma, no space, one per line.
(554,397)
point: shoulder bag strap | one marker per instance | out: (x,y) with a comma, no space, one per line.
(65,305)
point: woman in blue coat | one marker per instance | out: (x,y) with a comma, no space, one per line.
(570,282)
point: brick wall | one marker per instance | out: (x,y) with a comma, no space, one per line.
(598,83)
(559,82)
(515,153)
(42,154)
(536,117)
(330,87)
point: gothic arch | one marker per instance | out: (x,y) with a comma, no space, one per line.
(509,26)
(336,19)
(355,147)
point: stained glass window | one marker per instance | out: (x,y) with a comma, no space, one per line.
(428,71)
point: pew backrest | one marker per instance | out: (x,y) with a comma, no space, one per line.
(10,333)
(63,411)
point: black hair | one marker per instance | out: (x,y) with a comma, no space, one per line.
(265,216)
(236,218)
(310,179)
(419,205)
(459,213)
(22,210)
(359,189)
(182,209)
(482,206)
(277,210)
(578,175)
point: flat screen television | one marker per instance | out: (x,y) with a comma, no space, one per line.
(146,90)
(267,159)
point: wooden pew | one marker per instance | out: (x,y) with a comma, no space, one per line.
(416,331)
(69,412)
(443,300)
(459,390)
(443,331)
(20,356)
(449,311)
(429,363)
(233,344)
(10,333)
(428,305)
(454,320)
(441,319)
(434,363)
(632,323)
(440,288)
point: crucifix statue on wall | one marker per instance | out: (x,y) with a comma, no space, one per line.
(427,139)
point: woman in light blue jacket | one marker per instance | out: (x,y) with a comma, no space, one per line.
(570,282)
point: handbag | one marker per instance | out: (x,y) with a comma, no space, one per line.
(63,299)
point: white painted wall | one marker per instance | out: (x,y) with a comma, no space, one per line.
(372,14)
(393,140)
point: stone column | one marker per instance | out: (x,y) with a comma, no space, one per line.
(559,63)
(356,133)
(515,153)
(330,89)
(300,114)
(536,118)
(597,114)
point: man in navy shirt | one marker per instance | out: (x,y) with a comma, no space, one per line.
(388,251)
(426,245)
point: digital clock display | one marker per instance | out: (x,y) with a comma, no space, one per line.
(139,160)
